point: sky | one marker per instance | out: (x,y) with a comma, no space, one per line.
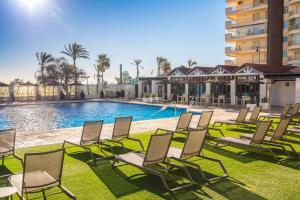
(122,29)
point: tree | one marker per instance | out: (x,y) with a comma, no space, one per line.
(45,60)
(163,65)
(191,63)
(103,63)
(126,77)
(75,51)
(159,61)
(137,63)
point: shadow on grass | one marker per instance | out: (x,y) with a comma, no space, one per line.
(247,155)
(4,170)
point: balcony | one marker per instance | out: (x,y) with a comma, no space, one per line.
(229,62)
(291,2)
(294,14)
(294,44)
(246,8)
(294,60)
(233,24)
(244,49)
(294,27)
(245,36)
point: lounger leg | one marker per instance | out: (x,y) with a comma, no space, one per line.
(3,157)
(221,165)
(44,194)
(139,141)
(219,130)
(91,154)
(67,192)
(195,166)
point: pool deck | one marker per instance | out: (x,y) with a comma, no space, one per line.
(28,139)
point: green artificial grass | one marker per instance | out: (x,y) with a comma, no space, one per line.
(252,175)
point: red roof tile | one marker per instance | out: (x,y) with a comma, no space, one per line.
(266,68)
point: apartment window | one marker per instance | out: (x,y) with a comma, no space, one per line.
(284,54)
(286,10)
(285,39)
(285,25)
(256,16)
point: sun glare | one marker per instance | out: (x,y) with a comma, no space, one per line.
(32,5)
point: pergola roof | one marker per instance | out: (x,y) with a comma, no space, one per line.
(265,68)
(27,84)
(3,84)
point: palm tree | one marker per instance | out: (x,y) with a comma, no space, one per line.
(165,65)
(76,51)
(126,77)
(45,60)
(137,63)
(103,63)
(159,61)
(191,63)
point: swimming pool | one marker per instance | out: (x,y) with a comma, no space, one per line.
(65,115)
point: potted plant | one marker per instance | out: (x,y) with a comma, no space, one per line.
(264,103)
(146,98)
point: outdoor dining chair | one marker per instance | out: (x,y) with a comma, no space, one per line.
(155,158)
(193,147)
(7,144)
(121,132)
(90,136)
(239,120)
(41,171)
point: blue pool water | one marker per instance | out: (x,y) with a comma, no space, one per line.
(65,115)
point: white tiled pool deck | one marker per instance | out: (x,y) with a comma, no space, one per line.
(58,136)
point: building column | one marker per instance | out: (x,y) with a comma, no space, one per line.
(169,95)
(140,89)
(186,89)
(297,91)
(208,88)
(232,91)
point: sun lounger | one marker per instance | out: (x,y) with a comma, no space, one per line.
(193,146)
(7,144)
(239,120)
(121,132)
(41,171)
(155,157)
(183,123)
(278,135)
(255,142)
(90,135)
(283,114)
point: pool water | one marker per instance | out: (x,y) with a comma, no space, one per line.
(65,115)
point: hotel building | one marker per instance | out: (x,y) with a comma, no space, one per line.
(263,31)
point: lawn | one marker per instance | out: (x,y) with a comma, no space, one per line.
(251,175)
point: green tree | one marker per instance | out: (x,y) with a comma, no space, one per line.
(137,63)
(76,51)
(45,60)
(191,63)
(159,61)
(103,63)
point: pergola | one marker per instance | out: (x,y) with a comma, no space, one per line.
(4,92)
(50,90)
(25,92)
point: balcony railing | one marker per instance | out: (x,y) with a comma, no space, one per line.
(293,42)
(233,10)
(230,62)
(236,36)
(293,1)
(239,49)
(294,26)
(291,58)
(293,12)
(231,23)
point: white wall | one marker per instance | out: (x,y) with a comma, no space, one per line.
(129,90)
(297,90)
(282,94)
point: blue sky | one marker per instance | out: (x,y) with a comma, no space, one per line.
(123,29)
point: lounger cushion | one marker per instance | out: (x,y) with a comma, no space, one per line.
(295,130)
(132,157)
(174,152)
(249,136)
(235,140)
